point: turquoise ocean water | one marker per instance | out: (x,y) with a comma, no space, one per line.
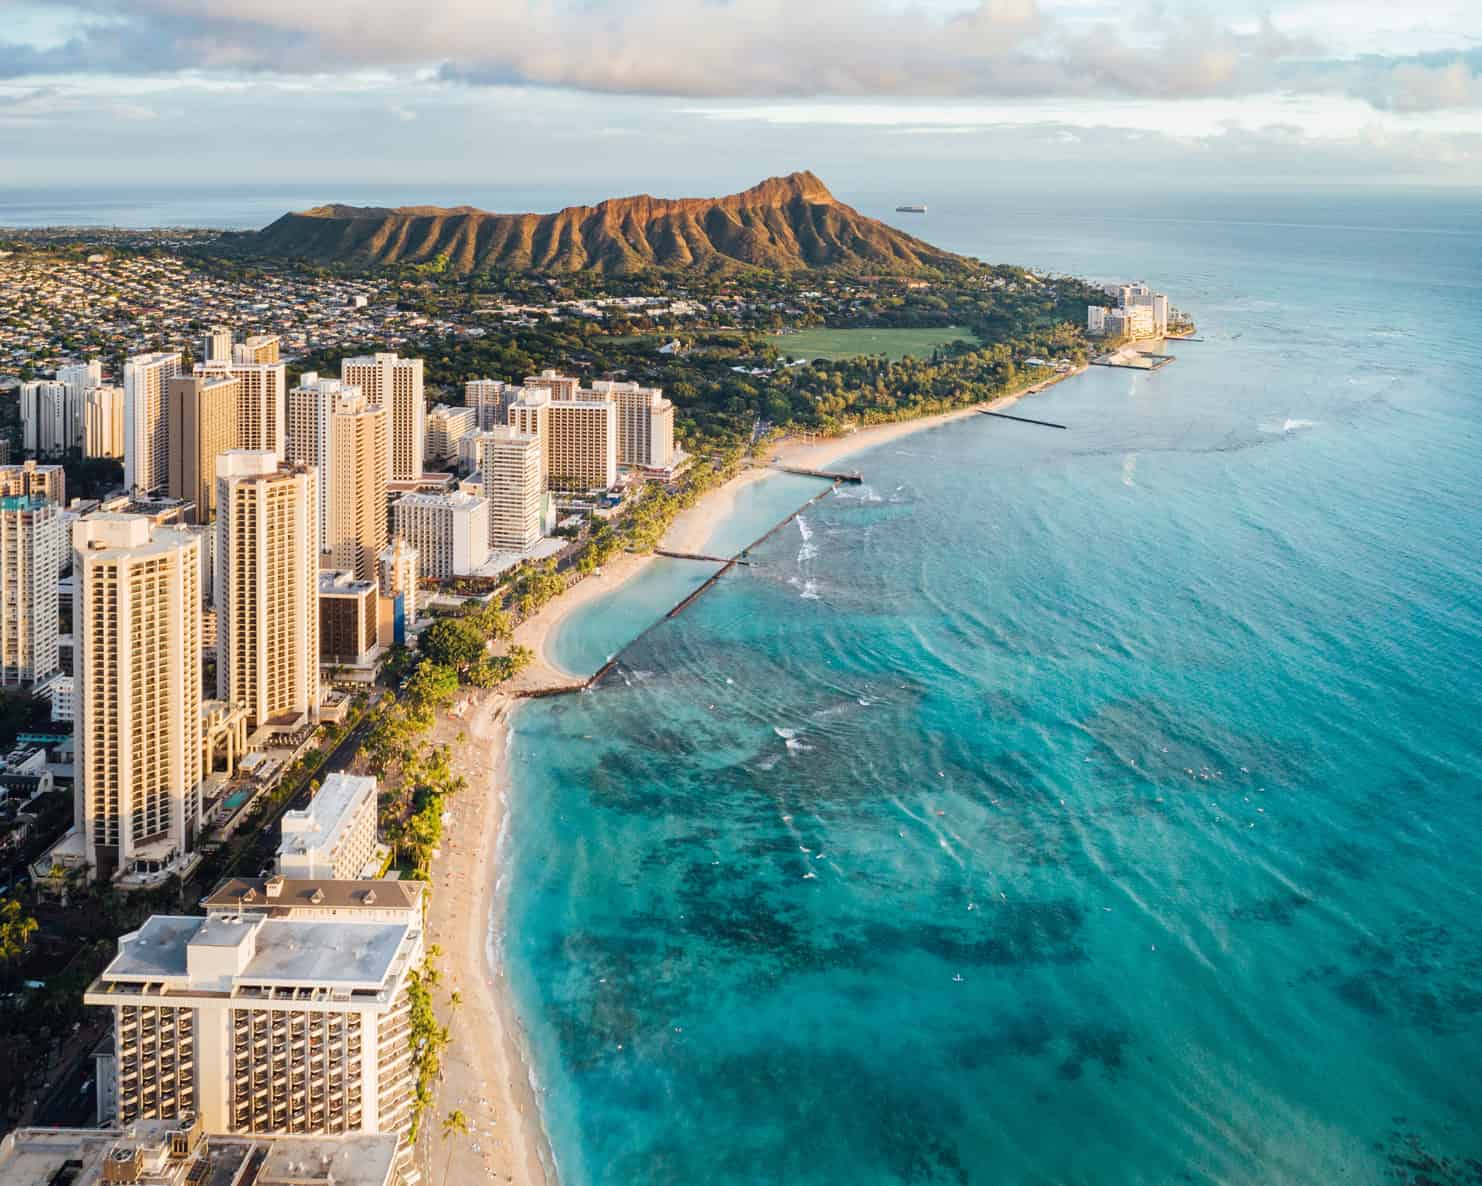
(1093,807)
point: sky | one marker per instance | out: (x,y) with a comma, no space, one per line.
(703,96)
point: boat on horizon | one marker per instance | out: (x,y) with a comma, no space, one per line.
(911,209)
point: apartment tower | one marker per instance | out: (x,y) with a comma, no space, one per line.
(267,588)
(33,543)
(333,427)
(137,628)
(146,423)
(396,384)
(489,399)
(202,420)
(103,422)
(262,394)
(511,468)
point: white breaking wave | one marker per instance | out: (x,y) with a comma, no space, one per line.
(1290,424)
(803,529)
(1129,469)
(810,591)
(785,734)
(797,747)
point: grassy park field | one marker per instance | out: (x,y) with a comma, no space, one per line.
(850,343)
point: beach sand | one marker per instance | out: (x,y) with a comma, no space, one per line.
(485,1073)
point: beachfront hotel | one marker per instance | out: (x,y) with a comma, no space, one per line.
(103,422)
(262,385)
(33,546)
(334,837)
(137,630)
(1139,313)
(146,421)
(578,438)
(645,423)
(450,531)
(201,421)
(395,384)
(511,474)
(335,428)
(266,1022)
(266,567)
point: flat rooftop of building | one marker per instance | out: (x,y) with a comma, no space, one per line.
(327,811)
(289,951)
(40,1157)
(252,893)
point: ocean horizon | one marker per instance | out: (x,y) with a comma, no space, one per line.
(1092,806)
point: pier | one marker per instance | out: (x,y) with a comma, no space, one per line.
(1022,419)
(1133,360)
(852,477)
(672,555)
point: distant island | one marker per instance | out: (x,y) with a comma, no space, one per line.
(785,224)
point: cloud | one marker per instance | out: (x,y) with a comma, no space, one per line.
(1416,87)
(774,49)
(728,48)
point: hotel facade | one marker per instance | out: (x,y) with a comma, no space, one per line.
(137,629)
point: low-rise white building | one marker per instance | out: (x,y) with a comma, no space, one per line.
(335,836)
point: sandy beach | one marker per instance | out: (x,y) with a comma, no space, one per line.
(485,1073)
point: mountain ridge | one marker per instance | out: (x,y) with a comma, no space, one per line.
(788,223)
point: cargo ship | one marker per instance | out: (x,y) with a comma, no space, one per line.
(912,209)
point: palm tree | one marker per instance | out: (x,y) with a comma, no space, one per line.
(455,1123)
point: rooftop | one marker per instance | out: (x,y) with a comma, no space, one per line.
(259,893)
(287,951)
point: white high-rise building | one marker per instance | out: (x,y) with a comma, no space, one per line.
(44,416)
(490,400)
(137,629)
(449,531)
(268,1021)
(645,429)
(511,473)
(146,426)
(33,545)
(396,384)
(267,588)
(103,422)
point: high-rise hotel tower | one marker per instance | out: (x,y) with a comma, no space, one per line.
(395,384)
(267,588)
(137,624)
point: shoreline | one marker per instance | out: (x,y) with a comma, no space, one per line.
(692,529)
(487,1072)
